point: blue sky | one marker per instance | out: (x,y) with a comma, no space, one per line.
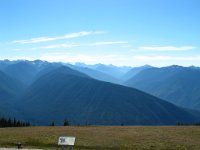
(119,32)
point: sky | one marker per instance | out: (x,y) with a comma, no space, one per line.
(118,32)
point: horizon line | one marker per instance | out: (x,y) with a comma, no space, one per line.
(74,63)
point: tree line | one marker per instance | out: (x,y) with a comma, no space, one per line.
(188,124)
(12,123)
(65,123)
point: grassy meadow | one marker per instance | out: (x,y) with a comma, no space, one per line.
(106,137)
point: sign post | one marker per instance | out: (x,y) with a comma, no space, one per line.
(66,141)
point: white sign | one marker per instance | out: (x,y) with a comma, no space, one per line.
(66,140)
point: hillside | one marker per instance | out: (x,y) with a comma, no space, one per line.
(9,90)
(176,84)
(66,93)
(25,71)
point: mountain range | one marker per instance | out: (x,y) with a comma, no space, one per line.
(176,84)
(42,92)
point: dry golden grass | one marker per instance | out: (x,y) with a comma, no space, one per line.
(106,137)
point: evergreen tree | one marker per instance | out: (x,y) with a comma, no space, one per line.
(28,124)
(66,123)
(9,123)
(18,123)
(52,124)
(12,123)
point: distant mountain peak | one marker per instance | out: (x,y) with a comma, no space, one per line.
(174,66)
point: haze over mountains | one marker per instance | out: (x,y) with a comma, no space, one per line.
(42,92)
(176,84)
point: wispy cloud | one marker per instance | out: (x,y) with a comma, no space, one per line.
(166,48)
(167,58)
(67,36)
(126,46)
(108,43)
(56,46)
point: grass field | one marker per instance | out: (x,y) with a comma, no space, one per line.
(106,137)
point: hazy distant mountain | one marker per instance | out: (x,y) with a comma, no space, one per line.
(176,84)
(111,70)
(95,74)
(131,73)
(66,93)
(114,71)
(123,69)
(194,67)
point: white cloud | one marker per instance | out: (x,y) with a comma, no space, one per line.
(126,46)
(57,46)
(167,58)
(67,36)
(166,48)
(99,32)
(108,43)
